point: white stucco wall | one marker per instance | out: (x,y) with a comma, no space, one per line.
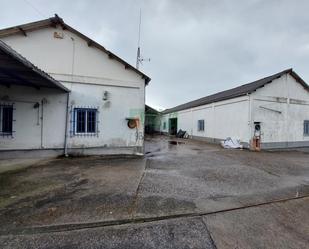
(291,100)
(229,118)
(113,130)
(67,56)
(32,129)
(88,72)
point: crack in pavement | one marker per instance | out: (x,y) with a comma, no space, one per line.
(135,197)
(79,226)
(213,244)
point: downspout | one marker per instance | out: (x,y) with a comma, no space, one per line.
(66,126)
(250,121)
(287,111)
(42,122)
(191,111)
(143,147)
(65,150)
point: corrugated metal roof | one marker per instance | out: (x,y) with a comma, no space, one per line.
(56,20)
(236,92)
(15,69)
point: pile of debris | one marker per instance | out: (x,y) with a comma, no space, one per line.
(182,134)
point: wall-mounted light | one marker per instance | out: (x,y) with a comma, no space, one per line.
(105,95)
(36,105)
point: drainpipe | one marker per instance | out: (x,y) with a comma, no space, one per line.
(144,99)
(250,121)
(42,122)
(66,126)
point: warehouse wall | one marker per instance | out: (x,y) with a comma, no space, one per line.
(282,123)
(281,108)
(229,118)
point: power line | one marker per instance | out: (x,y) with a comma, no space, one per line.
(35,8)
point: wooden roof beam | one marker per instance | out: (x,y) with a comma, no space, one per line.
(22,31)
(89,43)
(18,78)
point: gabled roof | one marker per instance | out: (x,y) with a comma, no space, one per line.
(237,91)
(17,70)
(53,22)
(150,110)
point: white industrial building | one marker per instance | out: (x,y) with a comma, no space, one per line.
(272,112)
(63,93)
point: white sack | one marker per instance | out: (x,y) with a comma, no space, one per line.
(231,143)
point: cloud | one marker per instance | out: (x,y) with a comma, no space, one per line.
(196,47)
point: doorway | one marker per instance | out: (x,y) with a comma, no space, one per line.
(173,126)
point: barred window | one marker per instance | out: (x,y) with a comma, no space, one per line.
(85,121)
(200,125)
(306,127)
(91,121)
(6,120)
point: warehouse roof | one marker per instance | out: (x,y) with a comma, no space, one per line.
(149,109)
(17,70)
(53,22)
(237,91)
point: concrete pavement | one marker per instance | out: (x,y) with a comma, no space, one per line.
(281,225)
(186,180)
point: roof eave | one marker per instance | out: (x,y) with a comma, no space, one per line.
(56,20)
(299,80)
(111,55)
(13,54)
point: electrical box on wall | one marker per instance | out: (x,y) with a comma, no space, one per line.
(257,129)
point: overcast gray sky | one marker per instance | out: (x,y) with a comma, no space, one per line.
(197,47)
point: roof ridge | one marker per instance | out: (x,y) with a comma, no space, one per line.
(235,91)
(280,73)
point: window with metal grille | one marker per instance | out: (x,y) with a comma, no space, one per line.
(200,125)
(85,121)
(6,120)
(164,125)
(306,127)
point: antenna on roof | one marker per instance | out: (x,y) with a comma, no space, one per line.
(139,58)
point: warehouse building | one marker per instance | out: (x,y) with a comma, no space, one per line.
(272,112)
(152,120)
(63,93)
